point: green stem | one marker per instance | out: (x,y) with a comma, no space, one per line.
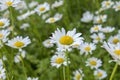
(114,70)
(12,19)
(68,72)
(63,72)
(23,67)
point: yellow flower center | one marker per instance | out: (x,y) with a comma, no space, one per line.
(78,76)
(59,60)
(99,21)
(1,36)
(107,3)
(98,38)
(93,63)
(52,20)
(42,8)
(99,74)
(118,7)
(48,42)
(19,44)
(9,3)
(66,40)
(2,23)
(117,52)
(115,41)
(76,45)
(96,28)
(87,48)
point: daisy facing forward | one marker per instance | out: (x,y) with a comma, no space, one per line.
(42,8)
(98,37)
(58,60)
(9,3)
(65,40)
(100,74)
(87,48)
(94,63)
(4,22)
(78,75)
(96,28)
(19,42)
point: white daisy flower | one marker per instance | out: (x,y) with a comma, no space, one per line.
(9,3)
(54,19)
(33,4)
(94,63)
(78,75)
(2,73)
(87,48)
(100,19)
(65,40)
(107,4)
(47,43)
(107,29)
(98,37)
(113,50)
(19,42)
(57,4)
(4,22)
(29,78)
(17,58)
(96,28)
(114,39)
(117,6)
(3,35)
(42,8)
(58,60)
(100,74)
(2,7)
(21,6)
(87,17)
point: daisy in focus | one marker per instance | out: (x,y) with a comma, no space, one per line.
(58,60)
(94,63)
(42,8)
(87,48)
(78,75)
(19,42)
(100,74)
(64,40)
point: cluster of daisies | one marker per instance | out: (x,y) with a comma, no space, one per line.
(67,41)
